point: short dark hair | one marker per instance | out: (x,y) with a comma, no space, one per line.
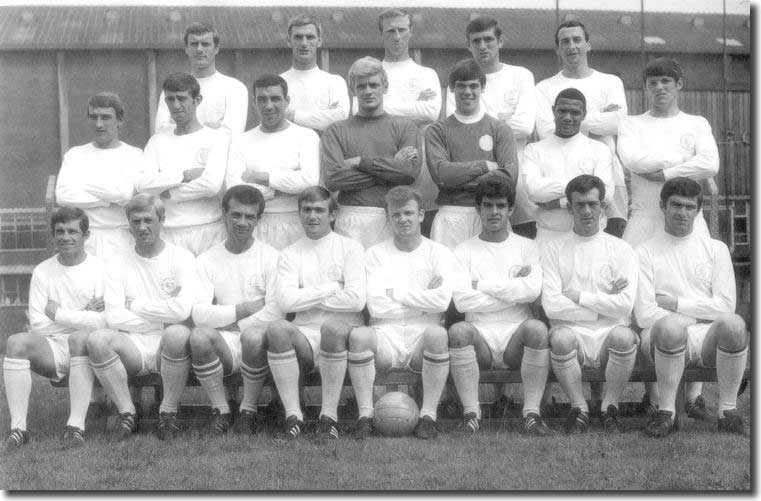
(245,194)
(181,82)
(400,195)
(66,214)
(683,187)
(270,80)
(107,100)
(584,184)
(571,24)
(317,194)
(662,66)
(304,20)
(391,13)
(483,23)
(495,185)
(200,28)
(571,93)
(464,70)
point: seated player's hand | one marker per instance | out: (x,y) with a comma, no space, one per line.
(351,162)
(51,308)
(408,153)
(474,284)
(667,301)
(96,304)
(435,282)
(611,107)
(618,286)
(251,307)
(523,271)
(334,105)
(573,295)
(165,195)
(491,165)
(189,175)
(426,95)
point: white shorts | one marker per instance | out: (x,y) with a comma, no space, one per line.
(106,242)
(59,345)
(397,342)
(643,225)
(590,342)
(696,335)
(454,224)
(367,225)
(497,337)
(147,345)
(619,206)
(232,340)
(279,229)
(196,239)
(312,333)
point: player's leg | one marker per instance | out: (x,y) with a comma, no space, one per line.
(465,346)
(362,361)
(334,337)
(23,353)
(254,370)
(431,357)
(617,356)
(81,379)
(669,340)
(726,347)
(566,359)
(528,349)
(288,352)
(211,359)
(174,353)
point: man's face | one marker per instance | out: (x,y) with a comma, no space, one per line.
(145,226)
(396,33)
(663,90)
(182,107)
(679,214)
(104,124)
(69,238)
(316,217)
(369,92)
(240,220)
(466,95)
(569,113)
(484,47)
(271,105)
(405,219)
(495,213)
(586,208)
(572,46)
(304,42)
(201,50)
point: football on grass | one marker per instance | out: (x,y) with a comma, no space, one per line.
(396,414)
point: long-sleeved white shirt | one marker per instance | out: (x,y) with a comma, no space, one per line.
(499,295)
(310,274)
(72,287)
(696,269)
(318,98)
(406,80)
(162,289)
(409,275)
(548,166)
(100,182)
(682,145)
(589,265)
(290,156)
(167,156)
(224,105)
(227,279)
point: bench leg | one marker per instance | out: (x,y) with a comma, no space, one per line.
(681,398)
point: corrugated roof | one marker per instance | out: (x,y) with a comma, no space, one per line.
(154,27)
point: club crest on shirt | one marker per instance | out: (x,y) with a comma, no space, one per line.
(202,155)
(514,270)
(510,101)
(413,85)
(168,286)
(687,142)
(703,273)
(486,142)
(335,272)
(607,274)
(254,285)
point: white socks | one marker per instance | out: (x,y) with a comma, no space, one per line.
(17,378)
(465,375)
(729,372)
(174,376)
(332,374)
(253,381)
(285,371)
(568,372)
(617,373)
(81,379)
(113,377)
(435,372)
(668,370)
(210,376)
(362,372)
(535,366)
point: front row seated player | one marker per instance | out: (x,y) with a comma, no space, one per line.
(409,286)
(320,277)
(149,291)
(500,276)
(686,306)
(588,292)
(237,302)
(65,305)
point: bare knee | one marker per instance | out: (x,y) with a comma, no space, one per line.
(733,333)
(201,340)
(461,334)
(78,343)
(279,329)
(562,341)
(435,339)
(362,339)
(176,340)
(16,346)
(535,334)
(252,340)
(621,339)
(669,334)
(99,344)
(334,335)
